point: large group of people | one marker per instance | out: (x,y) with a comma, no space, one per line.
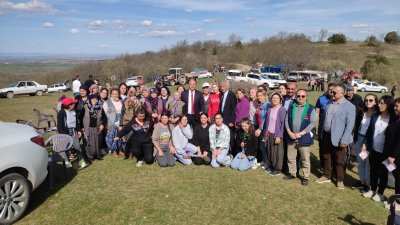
(244,129)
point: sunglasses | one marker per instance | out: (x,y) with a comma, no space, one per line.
(334,92)
(369,100)
(301,96)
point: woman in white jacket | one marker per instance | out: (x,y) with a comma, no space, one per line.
(180,137)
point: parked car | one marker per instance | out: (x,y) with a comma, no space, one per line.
(205,74)
(261,79)
(355,82)
(23,168)
(372,86)
(57,88)
(235,75)
(276,77)
(294,76)
(134,81)
(23,87)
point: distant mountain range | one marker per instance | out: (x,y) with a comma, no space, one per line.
(18,58)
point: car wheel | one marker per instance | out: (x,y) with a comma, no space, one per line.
(172,83)
(39,93)
(14,197)
(383,91)
(362,90)
(10,94)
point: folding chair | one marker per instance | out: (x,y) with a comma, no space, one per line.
(61,143)
(43,118)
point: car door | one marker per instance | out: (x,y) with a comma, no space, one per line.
(31,87)
(375,87)
(21,88)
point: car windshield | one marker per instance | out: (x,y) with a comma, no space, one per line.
(235,74)
(264,76)
(274,77)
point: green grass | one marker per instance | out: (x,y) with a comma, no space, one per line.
(114,191)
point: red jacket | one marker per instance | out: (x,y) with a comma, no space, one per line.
(215,100)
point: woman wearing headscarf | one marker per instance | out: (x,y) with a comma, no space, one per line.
(154,105)
(93,125)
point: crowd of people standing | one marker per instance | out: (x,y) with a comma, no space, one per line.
(243,129)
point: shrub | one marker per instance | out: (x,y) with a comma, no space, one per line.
(392,38)
(337,39)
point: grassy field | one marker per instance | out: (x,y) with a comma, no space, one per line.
(114,191)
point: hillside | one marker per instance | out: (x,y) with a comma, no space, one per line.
(383,61)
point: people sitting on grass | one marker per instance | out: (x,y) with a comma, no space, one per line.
(248,143)
(201,140)
(181,135)
(141,127)
(220,136)
(162,141)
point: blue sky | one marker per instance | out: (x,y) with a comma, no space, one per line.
(116,27)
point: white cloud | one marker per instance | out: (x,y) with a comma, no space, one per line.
(74,30)
(211,21)
(146,23)
(128,33)
(359,25)
(48,25)
(32,6)
(105,46)
(248,19)
(211,34)
(98,23)
(96,32)
(204,5)
(171,33)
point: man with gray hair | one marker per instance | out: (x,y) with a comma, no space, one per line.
(338,124)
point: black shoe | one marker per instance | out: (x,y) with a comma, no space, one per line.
(357,185)
(289,177)
(304,182)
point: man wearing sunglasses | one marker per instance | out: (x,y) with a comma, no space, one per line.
(300,127)
(338,124)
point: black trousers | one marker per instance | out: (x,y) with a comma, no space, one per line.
(143,151)
(396,174)
(201,161)
(378,172)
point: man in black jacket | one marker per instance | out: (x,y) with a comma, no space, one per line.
(194,103)
(227,109)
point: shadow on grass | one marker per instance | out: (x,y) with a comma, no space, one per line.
(44,191)
(316,170)
(350,219)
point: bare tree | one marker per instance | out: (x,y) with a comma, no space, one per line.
(322,34)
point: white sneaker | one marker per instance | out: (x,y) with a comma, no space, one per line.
(255,164)
(378,197)
(68,164)
(368,194)
(139,164)
(83,164)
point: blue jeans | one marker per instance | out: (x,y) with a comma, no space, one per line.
(222,159)
(189,149)
(242,164)
(363,165)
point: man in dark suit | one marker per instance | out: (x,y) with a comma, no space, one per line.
(227,109)
(194,103)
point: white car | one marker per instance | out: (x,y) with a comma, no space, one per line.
(261,79)
(23,167)
(134,81)
(23,87)
(372,86)
(205,75)
(235,75)
(57,88)
(276,77)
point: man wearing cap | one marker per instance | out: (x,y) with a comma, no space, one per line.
(194,103)
(206,96)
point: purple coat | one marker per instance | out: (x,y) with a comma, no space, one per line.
(280,121)
(242,110)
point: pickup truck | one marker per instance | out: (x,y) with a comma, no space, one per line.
(23,87)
